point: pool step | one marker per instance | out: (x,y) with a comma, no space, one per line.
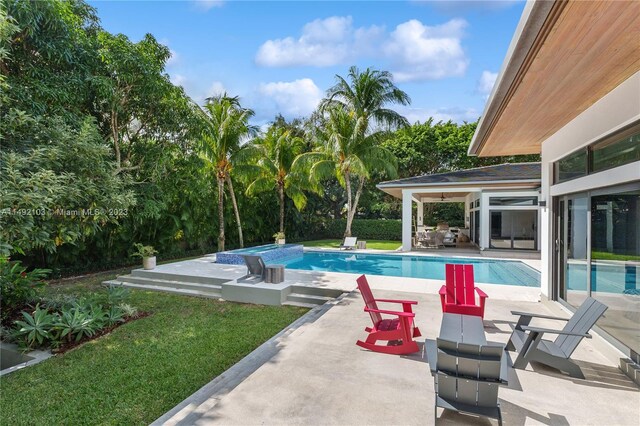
(175,287)
(155,274)
(308,298)
(212,288)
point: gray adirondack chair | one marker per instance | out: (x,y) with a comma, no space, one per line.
(467,376)
(256,269)
(528,341)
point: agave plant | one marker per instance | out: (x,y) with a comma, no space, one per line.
(74,322)
(34,330)
(114,316)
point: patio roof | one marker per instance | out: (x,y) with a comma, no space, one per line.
(564,56)
(513,175)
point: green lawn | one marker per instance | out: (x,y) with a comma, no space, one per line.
(371,244)
(143,368)
(602,255)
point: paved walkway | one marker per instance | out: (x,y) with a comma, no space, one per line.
(315,374)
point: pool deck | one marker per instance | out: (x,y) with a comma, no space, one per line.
(204,277)
(313,373)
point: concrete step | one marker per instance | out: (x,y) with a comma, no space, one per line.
(180,291)
(167,276)
(213,288)
(300,304)
(316,291)
(308,298)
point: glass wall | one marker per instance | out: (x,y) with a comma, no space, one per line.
(514,229)
(598,255)
(615,262)
(575,279)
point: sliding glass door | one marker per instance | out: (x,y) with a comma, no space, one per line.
(514,229)
(597,254)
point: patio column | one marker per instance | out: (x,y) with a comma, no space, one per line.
(406,219)
(420,214)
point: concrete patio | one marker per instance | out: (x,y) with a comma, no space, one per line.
(313,373)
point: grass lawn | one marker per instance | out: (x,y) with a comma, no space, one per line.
(371,244)
(143,368)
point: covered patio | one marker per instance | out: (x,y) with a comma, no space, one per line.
(501,209)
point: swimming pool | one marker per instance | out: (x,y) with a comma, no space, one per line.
(485,270)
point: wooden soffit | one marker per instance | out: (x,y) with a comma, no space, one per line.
(581,51)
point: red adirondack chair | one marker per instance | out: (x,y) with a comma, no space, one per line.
(457,296)
(398,332)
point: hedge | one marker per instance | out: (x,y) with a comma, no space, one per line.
(366,229)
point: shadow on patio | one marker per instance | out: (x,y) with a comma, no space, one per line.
(319,376)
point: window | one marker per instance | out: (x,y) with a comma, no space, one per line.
(571,167)
(610,153)
(478,203)
(513,201)
(616,150)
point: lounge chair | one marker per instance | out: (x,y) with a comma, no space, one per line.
(467,376)
(457,296)
(528,341)
(349,243)
(397,332)
(256,269)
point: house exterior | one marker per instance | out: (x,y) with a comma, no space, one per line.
(500,203)
(569,89)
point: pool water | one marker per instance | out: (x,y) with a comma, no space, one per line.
(485,270)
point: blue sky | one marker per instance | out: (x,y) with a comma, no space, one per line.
(281,56)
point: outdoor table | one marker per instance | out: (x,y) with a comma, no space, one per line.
(362,245)
(460,328)
(463,329)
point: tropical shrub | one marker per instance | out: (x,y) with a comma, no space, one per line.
(372,229)
(72,323)
(36,329)
(17,286)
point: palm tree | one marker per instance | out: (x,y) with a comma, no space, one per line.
(267,164)
(343,152)
(366,95)
(226,125)
(349,145)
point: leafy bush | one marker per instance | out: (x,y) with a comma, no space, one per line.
(114,316)
(17,286)
(74,322)
(372,229)
(35,330)
(128,310)
(143,251)
(65,318)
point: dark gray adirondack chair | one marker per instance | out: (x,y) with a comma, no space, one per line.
(467,376)
(528,341)
(256,269)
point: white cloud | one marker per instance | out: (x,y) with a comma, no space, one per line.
(174,58)
(415,51)
(486,82)
(206,5)
(178,79)
(215,89)
(291,98)
(324,42)
(455,114)
(422,52)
